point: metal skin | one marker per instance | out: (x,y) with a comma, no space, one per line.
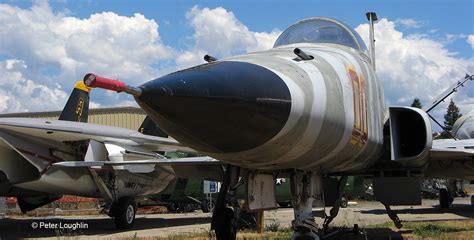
(337,111)
(33,150)
(33,158)
(463,165)
(464,127)
(309,107)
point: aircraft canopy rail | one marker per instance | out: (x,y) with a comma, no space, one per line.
(321,30)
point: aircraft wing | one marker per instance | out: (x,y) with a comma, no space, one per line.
(65,131)
(191,167)
(450,149)
(451,154)
(168,161)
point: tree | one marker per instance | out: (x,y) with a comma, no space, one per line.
(416,103)
(452,114)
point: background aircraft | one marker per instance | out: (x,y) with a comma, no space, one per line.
(464,127)
(310,109)
(44,159)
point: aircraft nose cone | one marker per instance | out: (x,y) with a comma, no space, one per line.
(219,107)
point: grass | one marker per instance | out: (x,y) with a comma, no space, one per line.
(242,235)
(454,229)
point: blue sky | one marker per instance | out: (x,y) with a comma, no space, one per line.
(448,17)
(422,46)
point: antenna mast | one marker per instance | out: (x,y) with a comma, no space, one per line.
(372,17)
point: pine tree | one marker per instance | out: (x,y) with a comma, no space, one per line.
(452,114)
(416,103)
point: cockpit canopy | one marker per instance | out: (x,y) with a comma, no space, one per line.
(321,30)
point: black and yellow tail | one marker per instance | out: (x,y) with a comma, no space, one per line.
(77,106)
(149,127)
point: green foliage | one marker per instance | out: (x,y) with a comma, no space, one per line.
(432,230)
(416,103)
(274,226)
(452,114)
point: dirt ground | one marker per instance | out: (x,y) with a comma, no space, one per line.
(365,214)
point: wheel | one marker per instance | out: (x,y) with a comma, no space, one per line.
(172,207)
(444,198)
(189,207)
(223,227)
(343,202)
(208,205)
(284,204)
(124,213)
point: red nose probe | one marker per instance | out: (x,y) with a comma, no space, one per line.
(95,81)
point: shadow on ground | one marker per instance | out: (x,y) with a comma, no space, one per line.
(464,210)
(371,233)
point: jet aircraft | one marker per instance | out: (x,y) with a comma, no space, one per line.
(311,109)
(41,160)
(464,127)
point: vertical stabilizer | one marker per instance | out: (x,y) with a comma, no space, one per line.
(77,106)
(149,127)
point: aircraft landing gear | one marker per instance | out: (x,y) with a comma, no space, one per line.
(337,204)
(303,190)
(208,205)
(225,218)
(123,211)
(445,198)
(393,215)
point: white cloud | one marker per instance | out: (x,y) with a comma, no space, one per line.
(412,66)
(218,30)
(107,43)
(48,51)
(408,22)
(219,33)
(18,93)
(59,49)
(470,40)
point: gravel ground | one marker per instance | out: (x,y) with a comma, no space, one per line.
(151,225)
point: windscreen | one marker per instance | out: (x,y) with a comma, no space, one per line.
(321,30)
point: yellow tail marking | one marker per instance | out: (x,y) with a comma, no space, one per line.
(81,86)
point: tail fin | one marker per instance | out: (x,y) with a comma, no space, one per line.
(149,127)
(77,106)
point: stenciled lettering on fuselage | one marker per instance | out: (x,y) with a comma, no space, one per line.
(360,130)
(80,109)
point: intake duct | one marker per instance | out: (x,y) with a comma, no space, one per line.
(410,136)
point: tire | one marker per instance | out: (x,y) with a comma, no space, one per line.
(444,198)
(284,204)
(223,222)
(343,202)
(172,207)
(189,207)
(124,213)
(208,205)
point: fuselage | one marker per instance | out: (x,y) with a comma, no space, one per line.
(273,110)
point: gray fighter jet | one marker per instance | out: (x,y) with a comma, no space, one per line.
(41,160)
(464,127)
(311,109)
